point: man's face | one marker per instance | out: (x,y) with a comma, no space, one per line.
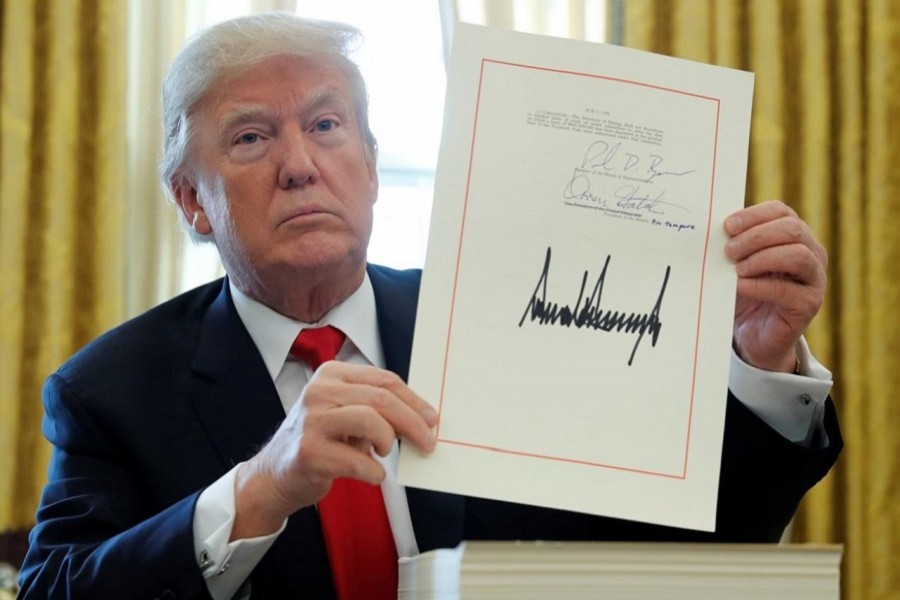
(280,177)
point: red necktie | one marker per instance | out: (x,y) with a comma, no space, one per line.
(355,524)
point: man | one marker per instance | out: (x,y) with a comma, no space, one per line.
(175,471)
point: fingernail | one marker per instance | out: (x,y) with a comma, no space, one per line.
(430,415)
(732,224)
(732,248)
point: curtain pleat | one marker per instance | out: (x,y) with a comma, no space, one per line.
(826,121)
(61,209)
(882,445)
(154,242)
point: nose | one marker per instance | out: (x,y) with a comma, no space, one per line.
(298,165)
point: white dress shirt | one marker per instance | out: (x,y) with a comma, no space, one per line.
(793,405)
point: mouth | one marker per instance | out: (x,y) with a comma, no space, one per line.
(303,213)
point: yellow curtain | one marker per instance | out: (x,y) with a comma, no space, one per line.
(62,161)
(825,132)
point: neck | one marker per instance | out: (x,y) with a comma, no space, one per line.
(307,297)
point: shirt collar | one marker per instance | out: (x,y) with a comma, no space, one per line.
(273,333)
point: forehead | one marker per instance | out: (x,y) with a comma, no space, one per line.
(291,82)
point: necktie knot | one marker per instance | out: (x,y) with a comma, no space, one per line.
(317,345)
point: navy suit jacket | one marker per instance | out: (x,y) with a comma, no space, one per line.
(149,414)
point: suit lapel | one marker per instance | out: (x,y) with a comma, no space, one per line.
(236,399)
(396,298)
(437,517)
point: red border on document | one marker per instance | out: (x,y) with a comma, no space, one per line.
(683,474)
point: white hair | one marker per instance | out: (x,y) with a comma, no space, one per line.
(231,45)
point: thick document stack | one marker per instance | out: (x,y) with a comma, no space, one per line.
(643,571)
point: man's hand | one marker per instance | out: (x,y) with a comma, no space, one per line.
(344,413)
(781,282)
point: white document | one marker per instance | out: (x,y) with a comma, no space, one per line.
(576,310)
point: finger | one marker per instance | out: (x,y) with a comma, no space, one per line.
(757,214)
(356,425)
(392,382)
(779,232)
(796,302)
(336,459)
(297,470)
(793,281)
(796,261)
(409,415)
(330,397)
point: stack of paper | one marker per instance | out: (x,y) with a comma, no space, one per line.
(574,570)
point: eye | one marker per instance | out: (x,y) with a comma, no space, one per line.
(247,138)
(325,125)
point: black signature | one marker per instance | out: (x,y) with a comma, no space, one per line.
(654,172)
(634,198)
(627,197)
(591,315)
(613,158)
(579,188)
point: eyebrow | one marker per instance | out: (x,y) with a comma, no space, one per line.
(241,115)
(323,97)
(317,100)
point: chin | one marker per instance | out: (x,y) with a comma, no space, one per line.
(311,260)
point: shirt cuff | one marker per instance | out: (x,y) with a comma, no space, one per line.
(225,565)
(793,405)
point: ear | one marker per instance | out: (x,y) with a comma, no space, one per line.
(188,200)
